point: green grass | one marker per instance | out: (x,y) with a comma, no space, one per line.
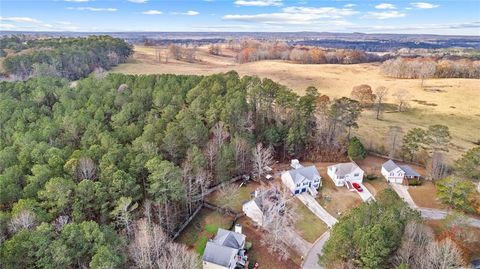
(211,228)
(201,244)
(234,200)
(309,226)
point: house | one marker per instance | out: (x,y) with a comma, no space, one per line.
(301,179)
(259,208)
(345,174)
(226,250)
(394,173)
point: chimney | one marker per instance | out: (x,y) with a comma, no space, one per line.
(238,228)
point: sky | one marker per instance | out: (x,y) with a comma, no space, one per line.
(456,17)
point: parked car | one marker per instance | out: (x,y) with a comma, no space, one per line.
(357,187)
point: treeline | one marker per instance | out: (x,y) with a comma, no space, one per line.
(70,58)
(430,68)
(79,166)
(251,50)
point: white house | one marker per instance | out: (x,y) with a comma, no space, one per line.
(226,250)
(394,173)
(302,179)
(259,207)
(345,173)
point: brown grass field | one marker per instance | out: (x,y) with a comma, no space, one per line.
(452,102)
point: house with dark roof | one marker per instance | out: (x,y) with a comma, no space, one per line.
(394,173)
(263,203)
(301,179)
(225,250)
(345,174)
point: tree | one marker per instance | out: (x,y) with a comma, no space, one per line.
(413,141)
(436,167)
(123,213)
(380,96)
(164,181)
(438,137)
(457,193)
(356,150)
(427,70)
(345,111)
(469,165)
(225,163)
(402,97)
(393,139)
(262,158)
(363,93)
(58,195)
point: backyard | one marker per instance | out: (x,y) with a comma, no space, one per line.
(233,195)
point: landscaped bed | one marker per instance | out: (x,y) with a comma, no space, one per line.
(425,195)
(203,227)
(309,226)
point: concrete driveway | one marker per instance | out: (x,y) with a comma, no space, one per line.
(366,195)
(317,209)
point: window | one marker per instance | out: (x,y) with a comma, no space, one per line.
(298,185)
(356,174)
(392,174)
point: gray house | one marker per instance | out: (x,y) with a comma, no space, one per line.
(264,201)
(225,250)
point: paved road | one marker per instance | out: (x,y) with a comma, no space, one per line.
(311,260)
(317,209)
(428,213)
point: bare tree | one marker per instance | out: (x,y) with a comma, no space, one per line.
(444,255)
(86,169)
(437,167)
(23,220)
(123,213)
(175,51)
(211,151)
(151,248)
(220,134)
(393,139)
(242,153)
(402,97)
(61,221)
(427,70)
(262,158)
(380,96)
(416,238)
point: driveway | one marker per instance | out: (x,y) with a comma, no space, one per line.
(428,213)
(366,195)
(317,209)
(295,241)
(311,260)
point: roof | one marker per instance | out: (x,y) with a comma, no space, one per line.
(218,254)
(223,248)
(299,174)
(409,171)
(390,165)
(229,238)
(273,197)
(345,168)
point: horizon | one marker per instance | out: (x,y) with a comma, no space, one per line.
(460,18)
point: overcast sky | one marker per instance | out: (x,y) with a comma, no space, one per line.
(432,17)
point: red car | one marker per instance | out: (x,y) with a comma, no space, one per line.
(357,187)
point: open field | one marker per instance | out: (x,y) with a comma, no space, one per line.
(453,102)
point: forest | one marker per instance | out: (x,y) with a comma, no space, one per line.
(81,167)
(70,58)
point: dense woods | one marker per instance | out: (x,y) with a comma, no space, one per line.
(431,68)
(97,157)
(70,58)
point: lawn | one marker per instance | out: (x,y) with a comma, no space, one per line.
(234,197)
(309,226)
(425,195)
(337,200)
(203,227)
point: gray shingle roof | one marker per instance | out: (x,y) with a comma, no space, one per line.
(390,165)
(345,168)
(218,254)
(409,171)
(309,172)
(223,248)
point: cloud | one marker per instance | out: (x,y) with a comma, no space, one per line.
(6,26)
(188,13)
(96,9)
(297,15)
(152,12)
(138,1)
(258,3)
(20,19)
(384,15)
(78,1)
(349,5)
(385,6)
(423,5)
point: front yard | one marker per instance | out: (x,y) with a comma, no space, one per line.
(203,227)
(337,200)
(309,226)
(425,195)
